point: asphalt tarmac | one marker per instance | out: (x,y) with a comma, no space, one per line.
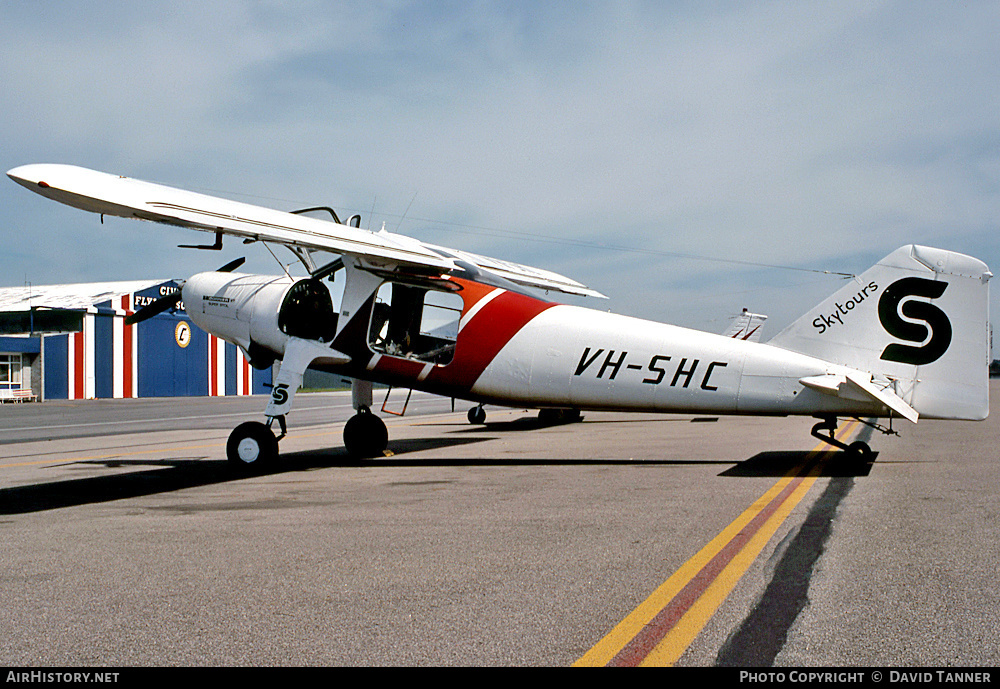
(622,539)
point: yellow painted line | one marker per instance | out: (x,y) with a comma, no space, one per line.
(680,637)
(631,641)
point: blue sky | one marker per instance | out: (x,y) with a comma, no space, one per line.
(606,141)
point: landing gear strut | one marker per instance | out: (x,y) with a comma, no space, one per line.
(859,448)
(365,434)
(253,444)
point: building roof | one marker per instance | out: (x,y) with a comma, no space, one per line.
(75,296)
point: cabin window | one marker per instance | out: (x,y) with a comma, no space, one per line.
(414,322)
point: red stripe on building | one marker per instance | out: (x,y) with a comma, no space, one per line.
(79,375)
(213,383)
(127,334)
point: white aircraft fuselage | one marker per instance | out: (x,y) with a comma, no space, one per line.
(907,338)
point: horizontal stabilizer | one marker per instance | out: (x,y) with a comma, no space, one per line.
(856,385)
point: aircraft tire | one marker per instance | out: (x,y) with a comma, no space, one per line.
(860,450)
(477,416)
(365,435)
(251,445)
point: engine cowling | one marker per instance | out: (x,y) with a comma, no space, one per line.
(260,312)
(242,309)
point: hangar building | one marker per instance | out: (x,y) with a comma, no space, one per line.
(71,342)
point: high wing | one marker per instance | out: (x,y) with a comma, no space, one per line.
(107,194)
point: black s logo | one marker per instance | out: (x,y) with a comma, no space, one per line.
(935,321)
(280,394)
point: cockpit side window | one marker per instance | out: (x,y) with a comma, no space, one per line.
(415,322)
(307,311)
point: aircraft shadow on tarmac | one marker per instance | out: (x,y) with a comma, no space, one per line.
(169,475)
(778,464)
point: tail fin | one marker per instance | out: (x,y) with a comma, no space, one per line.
(917,322)
(746,326)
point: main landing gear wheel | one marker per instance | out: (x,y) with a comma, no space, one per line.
(252,445)
(365,435)
(477,416)
(557,416)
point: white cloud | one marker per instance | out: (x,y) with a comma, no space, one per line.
(787,133)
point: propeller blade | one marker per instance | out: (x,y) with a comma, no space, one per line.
(171,300)
(231,266)
(150,310)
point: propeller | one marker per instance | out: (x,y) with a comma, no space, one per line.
(231,266)
(171,300)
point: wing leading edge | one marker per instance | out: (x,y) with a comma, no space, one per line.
(99,192)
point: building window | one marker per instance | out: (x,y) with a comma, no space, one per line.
(10,371)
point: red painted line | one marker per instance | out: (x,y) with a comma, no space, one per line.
(247,375)
(646,640)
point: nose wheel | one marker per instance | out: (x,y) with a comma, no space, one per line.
(252,445)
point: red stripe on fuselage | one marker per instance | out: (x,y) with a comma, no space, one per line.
(485,335)
(479,341)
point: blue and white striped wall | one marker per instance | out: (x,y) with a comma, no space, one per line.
(164,356)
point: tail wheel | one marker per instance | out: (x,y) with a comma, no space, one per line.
(365,435)
(860,450)
(252,445)
(477,415)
